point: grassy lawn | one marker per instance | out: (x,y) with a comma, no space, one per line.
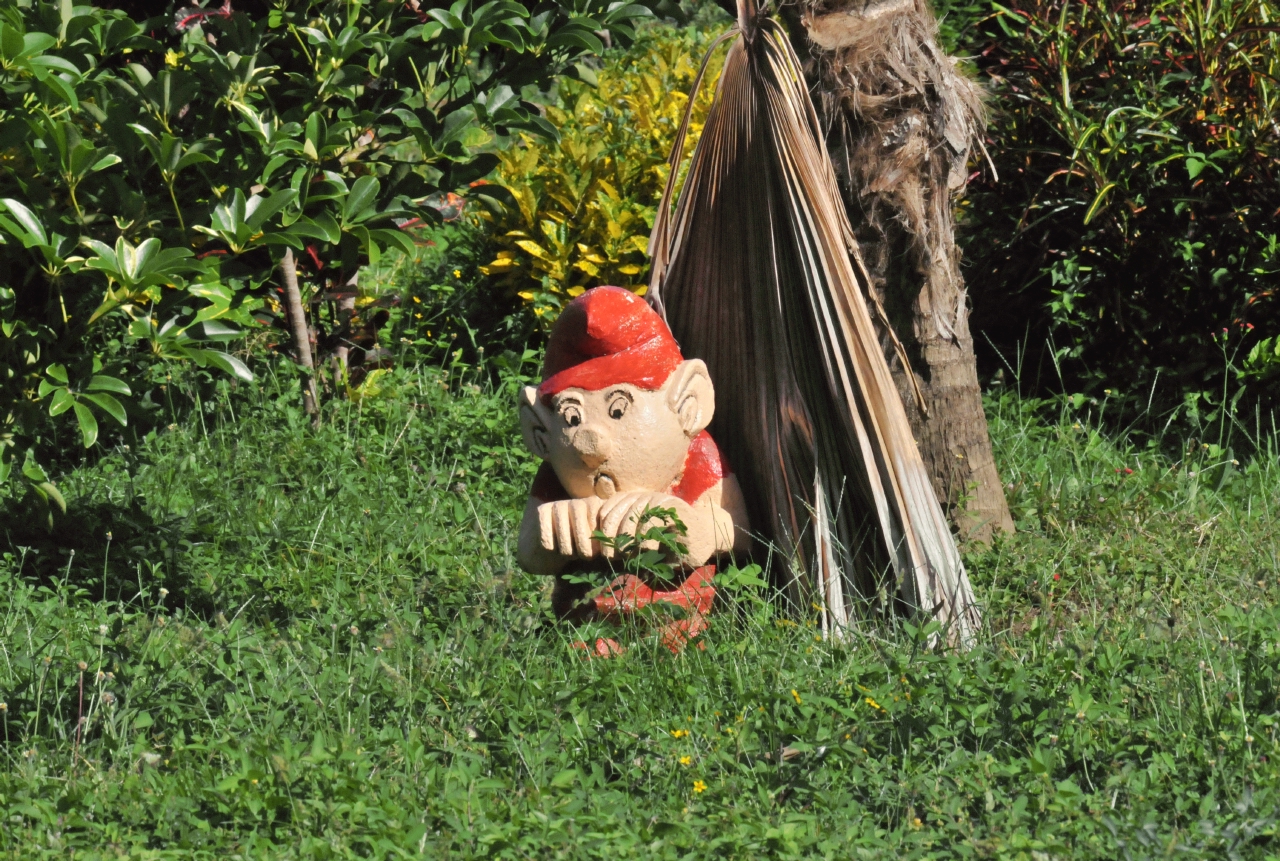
(286,643)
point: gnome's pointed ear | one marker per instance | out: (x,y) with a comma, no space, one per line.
(692,396)
(533,425)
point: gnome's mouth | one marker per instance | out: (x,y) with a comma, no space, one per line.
(605,486)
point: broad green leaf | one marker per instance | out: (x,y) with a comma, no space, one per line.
(88,424)
(36,43)
(33,471)
(105,162)
(63,89)
(320,227)
(214,330)
(50,63)
(222,361)
(66,11)
(259,210)
(273,165)
(102,383)
(105,253)
(109,405)
(11,42)
(62,401)
(27,219)
(363,192)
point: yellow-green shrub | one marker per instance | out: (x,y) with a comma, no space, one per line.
(584,206)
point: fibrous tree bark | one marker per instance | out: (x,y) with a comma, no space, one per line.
(901,125)
(756,272)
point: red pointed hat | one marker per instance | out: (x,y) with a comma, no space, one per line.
(608,336)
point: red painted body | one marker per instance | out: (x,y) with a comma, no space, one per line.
(629,594)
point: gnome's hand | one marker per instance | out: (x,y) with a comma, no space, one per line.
(620,515)
(566,526)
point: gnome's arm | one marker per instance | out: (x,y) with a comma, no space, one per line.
(715,521)
(553,533)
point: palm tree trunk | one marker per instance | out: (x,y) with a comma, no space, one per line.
(902,123)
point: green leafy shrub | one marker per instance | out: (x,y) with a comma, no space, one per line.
(580,209)
(154,173)
(448,310)
(1133,227)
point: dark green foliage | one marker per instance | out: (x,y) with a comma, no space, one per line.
(154,171)
(318,649)
(1133,231)
(448,305)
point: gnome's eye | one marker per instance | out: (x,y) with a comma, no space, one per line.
(618,408)
(572,416)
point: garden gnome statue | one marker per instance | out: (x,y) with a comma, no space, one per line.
(620,424)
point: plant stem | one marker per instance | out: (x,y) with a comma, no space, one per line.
(177,210)
(301,335)
(346,310)
(75,748)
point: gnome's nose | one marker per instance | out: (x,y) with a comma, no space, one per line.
(592,446)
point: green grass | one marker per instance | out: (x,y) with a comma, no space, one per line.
(318,646)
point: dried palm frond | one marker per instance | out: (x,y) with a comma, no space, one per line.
(757,273)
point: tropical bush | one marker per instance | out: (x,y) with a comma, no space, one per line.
(580,209)
(157,172)
(1133,226)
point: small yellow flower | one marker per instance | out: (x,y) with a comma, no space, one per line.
(686,760)
(457,273)
(699,786)
(417,316)
(417,300)
(796,695)
(171,58)
(916,823)
(679,733)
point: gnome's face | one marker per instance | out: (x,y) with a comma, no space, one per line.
(618,404)
(620,438)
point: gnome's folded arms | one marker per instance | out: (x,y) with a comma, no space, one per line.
(620,424)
